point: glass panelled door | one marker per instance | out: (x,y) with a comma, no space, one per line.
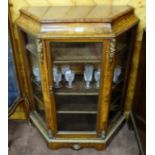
(76,82)
(34,73)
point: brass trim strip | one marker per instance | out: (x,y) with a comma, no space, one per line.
(77,61)
(76,112)
(76,132)
(75,93)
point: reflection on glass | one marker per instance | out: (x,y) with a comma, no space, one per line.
(97,78)
(31,44)
(69,76)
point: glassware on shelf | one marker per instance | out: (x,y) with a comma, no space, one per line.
(117,73)
(57,77)
(64,68)
(89,68)
(55,69)
(88,75)
(35,71)
(69,76)
(97,78)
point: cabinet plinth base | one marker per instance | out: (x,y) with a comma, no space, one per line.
(76,143)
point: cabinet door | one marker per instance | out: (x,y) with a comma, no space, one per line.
(76,101)
(32,73)
(13,88)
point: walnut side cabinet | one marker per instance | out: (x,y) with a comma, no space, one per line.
(58,37)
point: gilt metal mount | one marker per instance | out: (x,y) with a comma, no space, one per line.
(103,135)
(40,50)
(50,134)
(112,49)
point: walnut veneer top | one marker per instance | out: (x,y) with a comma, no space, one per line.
(76,13)
(77,21)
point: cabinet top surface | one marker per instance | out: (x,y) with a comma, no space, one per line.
(76,13)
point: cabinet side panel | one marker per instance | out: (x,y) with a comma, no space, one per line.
(47,91)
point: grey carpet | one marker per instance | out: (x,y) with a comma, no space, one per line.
(26,140)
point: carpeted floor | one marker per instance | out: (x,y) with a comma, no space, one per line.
(26,140)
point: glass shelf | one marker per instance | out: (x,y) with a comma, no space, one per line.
(73,61)
(78,89)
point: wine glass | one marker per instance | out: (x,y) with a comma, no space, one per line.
(69,76)
(36,74)
(88,75)
(57,77)
(55,69)
(97,78)
(88,78)
(89,68)
(117,73)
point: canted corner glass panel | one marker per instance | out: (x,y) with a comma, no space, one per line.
(34,72)
(76,81)
(31,44)
(122,49)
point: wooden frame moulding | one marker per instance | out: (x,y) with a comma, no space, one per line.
(50,64)
(106,85)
